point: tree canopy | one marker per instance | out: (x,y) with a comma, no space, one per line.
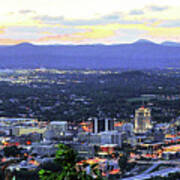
(67,169)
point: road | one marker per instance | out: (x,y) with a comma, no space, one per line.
(162,173)
(170,162)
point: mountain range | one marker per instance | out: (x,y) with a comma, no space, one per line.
(138,55)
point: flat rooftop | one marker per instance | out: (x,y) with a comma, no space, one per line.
(16,119)
(58,122)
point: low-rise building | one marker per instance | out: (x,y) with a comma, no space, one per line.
(20,130)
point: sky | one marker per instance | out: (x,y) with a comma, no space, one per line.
(88,21)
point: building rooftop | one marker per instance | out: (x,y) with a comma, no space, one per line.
(15,119)
(58,122)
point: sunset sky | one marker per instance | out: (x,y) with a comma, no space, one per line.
(88,21)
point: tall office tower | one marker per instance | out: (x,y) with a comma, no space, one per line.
(109,124)
(142,120)
(100,125)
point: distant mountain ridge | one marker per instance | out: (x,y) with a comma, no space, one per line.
(170,43)
(144,41)
(138,55)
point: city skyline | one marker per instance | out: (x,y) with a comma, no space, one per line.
(88,22)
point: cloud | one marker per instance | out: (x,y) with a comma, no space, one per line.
(86,35)
(109,33)
(170,23)
(160,32)
(117,24)
(97,32)
(114,16)
(136,12)
(26,11)
(2,29)
(117,17)
(10,41)
(73,34)
(77,22)
(34,32)
(155,8)
(49,19)
(22,33)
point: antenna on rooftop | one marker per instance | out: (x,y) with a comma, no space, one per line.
(143,103)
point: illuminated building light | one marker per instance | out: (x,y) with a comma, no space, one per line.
(142,120)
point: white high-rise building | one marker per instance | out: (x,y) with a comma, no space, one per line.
(142,120)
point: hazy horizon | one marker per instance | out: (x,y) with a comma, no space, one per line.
(105,44)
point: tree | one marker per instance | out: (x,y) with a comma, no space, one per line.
(66,160)
(11,151)
(123,162)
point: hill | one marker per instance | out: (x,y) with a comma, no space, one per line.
(138,55)
(170,43)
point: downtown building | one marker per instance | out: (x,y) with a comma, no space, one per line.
(101,125)
(104,133)
(142,121)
